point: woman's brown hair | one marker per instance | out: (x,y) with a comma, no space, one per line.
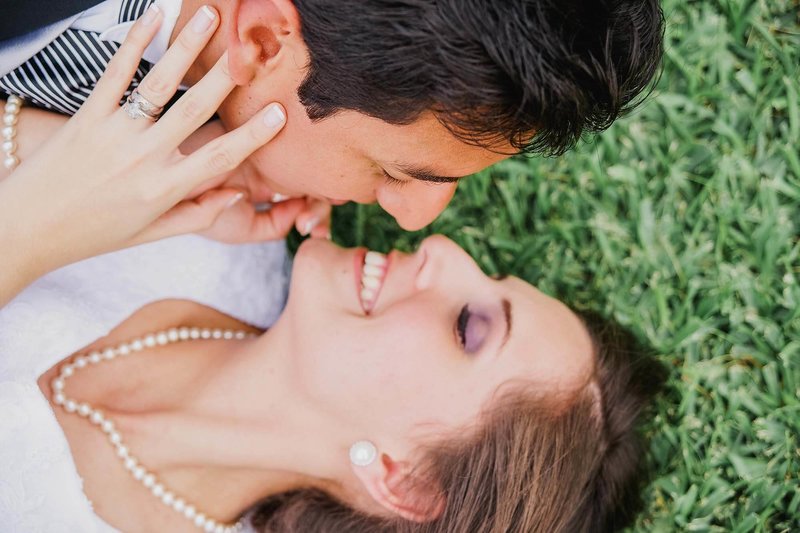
(534,464)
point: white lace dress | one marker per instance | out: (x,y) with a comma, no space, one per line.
(40,489)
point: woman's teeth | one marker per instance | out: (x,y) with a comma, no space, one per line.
(372,276)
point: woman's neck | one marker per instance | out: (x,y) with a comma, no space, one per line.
(217,421)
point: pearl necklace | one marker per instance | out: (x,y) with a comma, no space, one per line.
(106,425)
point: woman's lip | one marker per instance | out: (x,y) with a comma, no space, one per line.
(358,259)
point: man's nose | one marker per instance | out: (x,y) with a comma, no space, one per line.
(417,208)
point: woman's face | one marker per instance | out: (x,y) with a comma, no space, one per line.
(419,345)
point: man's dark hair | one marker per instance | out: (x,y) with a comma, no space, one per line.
(491,70)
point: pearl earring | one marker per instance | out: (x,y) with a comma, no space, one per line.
(363,453)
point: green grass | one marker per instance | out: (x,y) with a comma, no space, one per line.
(682,223)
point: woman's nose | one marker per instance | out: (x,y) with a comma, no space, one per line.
(441,261)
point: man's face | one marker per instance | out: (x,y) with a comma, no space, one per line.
(347,157)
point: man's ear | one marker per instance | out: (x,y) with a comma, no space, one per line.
(257,31)
(394,487)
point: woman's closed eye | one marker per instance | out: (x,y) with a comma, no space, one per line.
(472,330)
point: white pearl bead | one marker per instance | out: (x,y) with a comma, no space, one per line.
(81,361)
(227,334)
(162,339)
(200,520)
(11,162)
(241,335)
(97,417)
(9,132)
(12,108)
(10,120)
(158,490)
(363,453)
(14,99)
(138,473)
(189,511)
(216,334)
(70,406)
(210,526)
(149,480)
(130,463)
(107,426)
(168,498)
(58,384)
(194,333)
(150,341)
(205,333)
(109,354)
(179,505)
(59,399)
(183,334)
(219,529)
(115,438)
(9,146)
(67,370)
(95,357)
(137,345)
(84,409)
(124,349)
(122,451)
(172,334)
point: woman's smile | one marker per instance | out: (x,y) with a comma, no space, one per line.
(373,267)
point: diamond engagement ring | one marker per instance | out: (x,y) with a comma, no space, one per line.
(137,106)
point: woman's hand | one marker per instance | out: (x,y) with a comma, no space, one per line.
(105,181)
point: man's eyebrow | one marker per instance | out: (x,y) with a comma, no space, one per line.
(425,174)
(508,313)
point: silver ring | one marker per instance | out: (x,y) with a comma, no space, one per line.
(137,106)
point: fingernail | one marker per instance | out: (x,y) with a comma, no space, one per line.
(150,15)
(278,197)
(235,200)
(329,236)
(274,116)
(308,226)
(203,19)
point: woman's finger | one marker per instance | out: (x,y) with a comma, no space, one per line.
(316,215)
(191,216)
(196,106)
(120,70)
(225,153)
(275,223)
(165,77)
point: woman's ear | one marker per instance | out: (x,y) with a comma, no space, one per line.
(394,487)
(257,32)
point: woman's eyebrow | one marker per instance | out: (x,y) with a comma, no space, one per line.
(508,313)
(425,174)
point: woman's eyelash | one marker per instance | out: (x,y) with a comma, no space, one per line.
(394,182)
(461,325)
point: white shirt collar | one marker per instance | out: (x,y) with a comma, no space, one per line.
(159,45)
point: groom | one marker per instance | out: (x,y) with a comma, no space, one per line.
(388,101)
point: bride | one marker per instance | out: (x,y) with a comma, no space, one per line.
(393,393)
